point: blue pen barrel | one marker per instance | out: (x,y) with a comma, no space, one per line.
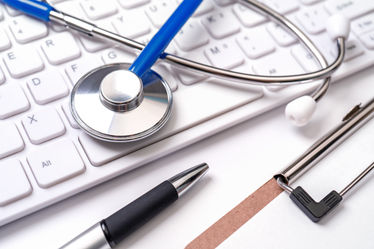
(34,8)
(163,37)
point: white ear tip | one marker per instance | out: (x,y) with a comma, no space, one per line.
(338,26)
(300,110)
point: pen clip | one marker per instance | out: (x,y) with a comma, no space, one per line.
(352,112)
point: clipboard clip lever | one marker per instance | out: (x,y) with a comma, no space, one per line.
(352,121)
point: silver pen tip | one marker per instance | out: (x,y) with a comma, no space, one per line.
(186,179)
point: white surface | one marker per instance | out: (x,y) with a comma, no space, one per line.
(241,159)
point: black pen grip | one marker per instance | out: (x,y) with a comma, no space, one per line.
(128,219)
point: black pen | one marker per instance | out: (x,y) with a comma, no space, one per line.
(112,230)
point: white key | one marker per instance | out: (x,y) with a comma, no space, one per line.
(97,9)
(309,2)
(188,77)
(197,106)
(11,11)
(221,24)
(204,7)
(43,125)
(350,8)
(2,77)
(23,61)
(113,55)
(67,112)
(247,16)
(50,166)
(313,19)
(353,49)
(271,66)
(283,7)
(256,43)
(4,40)
(47,87)
(14,184)
(167,75)
(280,35)
(26,29)
(129,4)
(76,69)
(224,2)
(304,58)
(60,48)
(12,100)
(124,24)
(363,24)
(368,40)
(191,36)
(11,141)
(225,55)
(159,11)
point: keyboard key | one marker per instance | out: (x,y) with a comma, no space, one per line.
(26,29)
(159,11)
(190,108)
(271,66)
(113,55)
(191,36)
(256,43)
(280,35)
(304,58)
(47,87)
(2,77)
(124,24)
(11,11)
(204,8)
(353,49)
(97,9)
(14,184)
(221,24)
(67,112)
(167,75)
(283,7)
(23,61)
(11,141)
(363,24)
(350,8)
(55,163)
(129,4)
(313,19)
(368,40)
(60,48)
(247,16)
(4,40)
(76,69)
(43,125)
(224,2)
(225,55)
(12,100)
(188,77)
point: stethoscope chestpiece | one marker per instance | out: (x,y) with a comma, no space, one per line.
(112,104)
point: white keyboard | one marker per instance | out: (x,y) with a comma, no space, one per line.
(45,157)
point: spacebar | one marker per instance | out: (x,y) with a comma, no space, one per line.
(192,105)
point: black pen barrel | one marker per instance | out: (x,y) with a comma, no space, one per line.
(128,219)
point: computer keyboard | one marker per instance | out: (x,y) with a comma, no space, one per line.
(45,157)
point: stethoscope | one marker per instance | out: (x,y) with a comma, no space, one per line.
(125,103)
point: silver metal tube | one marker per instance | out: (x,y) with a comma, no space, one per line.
(357,117)
(357,179)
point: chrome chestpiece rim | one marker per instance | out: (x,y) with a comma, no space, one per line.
(116,110)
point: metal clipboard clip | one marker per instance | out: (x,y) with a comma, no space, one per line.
(355,119)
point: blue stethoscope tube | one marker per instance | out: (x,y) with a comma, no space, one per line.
(37,9)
